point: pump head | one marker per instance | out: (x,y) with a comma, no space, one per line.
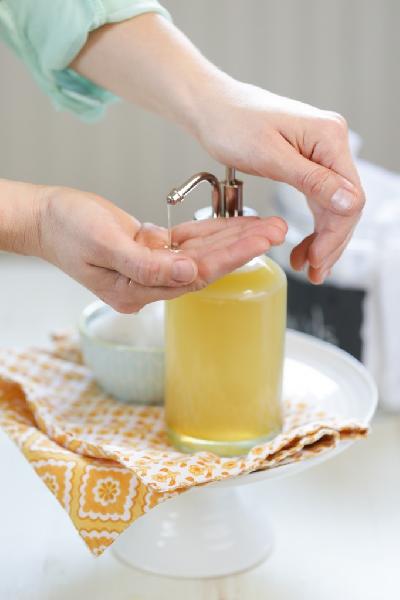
(225,202)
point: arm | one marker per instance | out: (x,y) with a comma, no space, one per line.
(148,61)
(20,217)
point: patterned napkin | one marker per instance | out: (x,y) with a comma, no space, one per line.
(108,463)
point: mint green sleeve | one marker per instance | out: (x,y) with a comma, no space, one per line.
(48,34)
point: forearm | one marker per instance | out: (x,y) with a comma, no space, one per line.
(20,215)
(149,62)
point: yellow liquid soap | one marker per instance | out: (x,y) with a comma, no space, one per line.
(224,361)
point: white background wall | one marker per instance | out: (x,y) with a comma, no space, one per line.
(341,55)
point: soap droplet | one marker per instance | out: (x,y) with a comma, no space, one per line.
(175,248)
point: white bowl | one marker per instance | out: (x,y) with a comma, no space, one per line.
(125,352)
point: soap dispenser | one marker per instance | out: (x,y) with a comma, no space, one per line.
(225,346)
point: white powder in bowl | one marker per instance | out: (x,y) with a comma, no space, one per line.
(143,330)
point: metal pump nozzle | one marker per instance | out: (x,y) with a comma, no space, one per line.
(178,194)
(226,204)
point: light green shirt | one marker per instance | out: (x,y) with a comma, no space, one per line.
(48,34)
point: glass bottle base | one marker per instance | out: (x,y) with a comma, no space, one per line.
(186,443)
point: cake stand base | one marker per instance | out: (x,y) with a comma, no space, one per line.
(222,528)
(206,532)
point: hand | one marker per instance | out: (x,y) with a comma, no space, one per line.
(127,264)
(150,62)
(264,134)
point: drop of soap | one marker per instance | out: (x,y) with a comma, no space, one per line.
(175,248)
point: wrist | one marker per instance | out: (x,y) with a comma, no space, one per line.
(217,108)
(205,91)
(21,213)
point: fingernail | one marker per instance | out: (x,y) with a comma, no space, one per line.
(342,200)
(183,271)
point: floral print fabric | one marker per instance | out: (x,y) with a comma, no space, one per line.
(108,463)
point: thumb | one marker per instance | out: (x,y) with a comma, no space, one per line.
(153,267)
(327,188)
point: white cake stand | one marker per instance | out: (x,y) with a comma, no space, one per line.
(223,528)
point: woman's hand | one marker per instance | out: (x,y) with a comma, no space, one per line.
(267,135)
(150,62)
(127,264)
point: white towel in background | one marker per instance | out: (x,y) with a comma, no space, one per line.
(381,335)
(389,308)
(390,315)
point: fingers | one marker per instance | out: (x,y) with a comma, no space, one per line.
(152,267)
(327,241)
(318,275)
(319,246)
(199,230)
(338,207)
(127,294)
(331,191)
(221,261)
(335,196)
(335,255)
(230,248)
(272,228)
(131,298)
(205,240)
(206,227)
(299,254)
(210,231)
(152,236)
(205,237)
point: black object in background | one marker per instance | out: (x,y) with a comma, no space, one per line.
(328,312)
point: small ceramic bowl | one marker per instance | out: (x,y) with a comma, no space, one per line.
(125,352)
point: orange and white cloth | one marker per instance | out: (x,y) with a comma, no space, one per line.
(108,463)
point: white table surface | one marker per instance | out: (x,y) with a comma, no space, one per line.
(337,525)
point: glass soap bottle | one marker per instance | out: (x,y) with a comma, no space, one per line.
(225,346)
